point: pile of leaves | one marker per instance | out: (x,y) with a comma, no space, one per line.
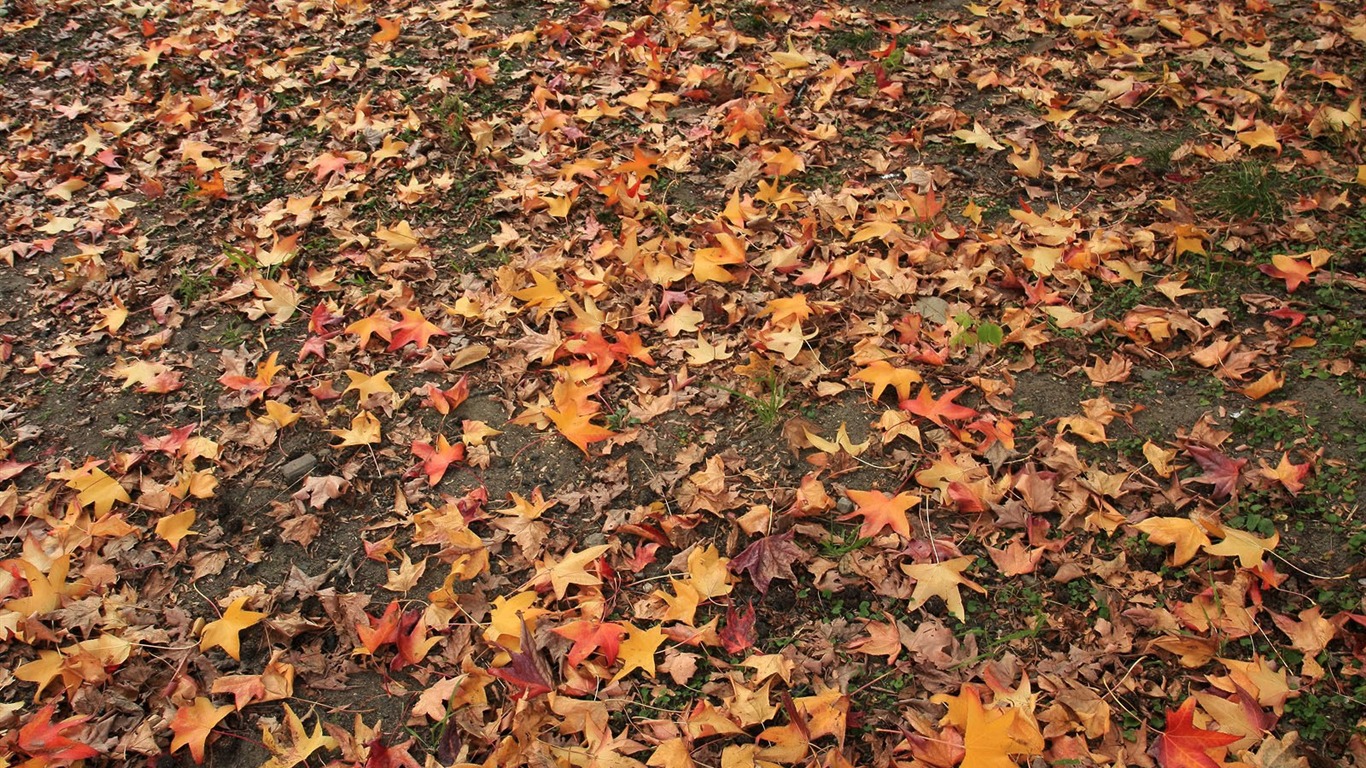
(722,384)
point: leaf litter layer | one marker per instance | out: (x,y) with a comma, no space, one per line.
(735,384)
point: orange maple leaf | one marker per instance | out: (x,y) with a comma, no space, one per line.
(573,414)
(47,742)
(642,165)
(192,725)
(254,386)
(388,31)
(589,636)
(377,324)
(882,374)
(882,511)
(415,328)
(940,409)
(1293,271)
(382,630)
(436,459)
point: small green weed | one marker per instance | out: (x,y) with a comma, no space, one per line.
(191,285)
(1248,190)
(768,404)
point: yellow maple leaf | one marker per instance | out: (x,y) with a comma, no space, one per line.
(303,743)
(364,431)
(366,386)
(505,619)
(709,263)
(882,374)
(1186,534)
(175,527)
(941,580)
(572,569)
(637,651)
(545,295)
(978,137)
(96,488)
(709,573)
(225,632)
(1247,548)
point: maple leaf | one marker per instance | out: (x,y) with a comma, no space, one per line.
(709,263)
(302,743)
(882,374)
(637,651)
(175,527)
(941,580)
(1182,745)
(413,328)
(545,294)
(589,636)
(708,570)
(1220,471)
(842,443)
(978,137)
(879,511)
(768,558)
(447,400)
(192,725)
(365,385)
(990,737)
(938,410)
(1186,534)
(254,387)
(526,670)
(377,324)
(573,414)
(96,488)
(642,164)
(151,377)
(388,31)
(1247,548)
(1289,474)
(739,633)
(436,459)
(49,742)
(572,569)
(1293,271)
(380,631)
(224,633)
(364,431)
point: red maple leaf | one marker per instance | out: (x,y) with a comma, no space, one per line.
(397,756)
(938,410)
(1220,471)
(48,742)
(169,443)
(415,328)
(1183,745)
(739,633)
(767,559)
(526,671)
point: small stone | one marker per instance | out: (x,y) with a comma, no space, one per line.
(845,505)
(297,468)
